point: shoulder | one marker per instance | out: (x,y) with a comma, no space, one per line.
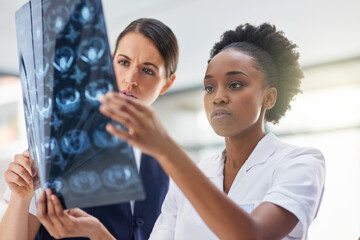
(286,153)
(303,167)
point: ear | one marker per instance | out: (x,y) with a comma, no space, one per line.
(168,84)
(270,98)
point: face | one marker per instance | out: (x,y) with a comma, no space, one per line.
(140,69)
(234,94)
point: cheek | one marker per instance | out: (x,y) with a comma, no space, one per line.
(207,105)
(119,75)
(149,90)
(118,80)
(252,105)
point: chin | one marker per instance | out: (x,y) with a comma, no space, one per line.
(223,132)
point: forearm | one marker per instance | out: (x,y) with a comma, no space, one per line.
(222,215)
(15,218)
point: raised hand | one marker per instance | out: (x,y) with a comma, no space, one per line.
(144,128)
(19,176)
(62,223)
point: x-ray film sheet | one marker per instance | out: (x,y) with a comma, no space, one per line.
(72,68)
(27,76)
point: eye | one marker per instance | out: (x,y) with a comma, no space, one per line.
(124,62)
(209,89)
(148,71)
(236,85)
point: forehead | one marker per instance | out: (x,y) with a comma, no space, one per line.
(136,45)
(232,59)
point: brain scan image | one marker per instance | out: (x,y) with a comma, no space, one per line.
(64,58)
(49,81)
(27,113)
(57,185)
(52,154)
(91,50)
(94,90)
(85,182)
(107,64)
(72,35)
(50,147)
(78,75)
(68,100)
(41,71)
(86,13)
(104,139)
(56,122)
(57,19)
(118,176)
(59,161)
(32,90)
(48,43)
(75,142)
(45,110)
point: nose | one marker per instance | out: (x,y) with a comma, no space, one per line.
(131,77)
(220,98)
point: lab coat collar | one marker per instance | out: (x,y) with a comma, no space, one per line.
(263,150)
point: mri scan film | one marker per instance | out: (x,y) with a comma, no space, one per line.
(65,66)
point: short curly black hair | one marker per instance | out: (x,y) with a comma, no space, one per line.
(275,56)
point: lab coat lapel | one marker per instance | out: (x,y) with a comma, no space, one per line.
(262,152)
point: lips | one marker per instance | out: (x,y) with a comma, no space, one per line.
(220,113)
(128,93)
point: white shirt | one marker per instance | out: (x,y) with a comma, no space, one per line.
(137,156)
(283,174)
(32,207)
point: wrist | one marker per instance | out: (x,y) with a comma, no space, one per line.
(16,199)
(100,232)
(19,203)
(166,151)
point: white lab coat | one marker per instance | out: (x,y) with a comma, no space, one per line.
(286,175)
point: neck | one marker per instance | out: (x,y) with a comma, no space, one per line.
(239,148)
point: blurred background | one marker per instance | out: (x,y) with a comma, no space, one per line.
(326,115)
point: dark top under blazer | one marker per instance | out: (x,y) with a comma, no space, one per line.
(118,219)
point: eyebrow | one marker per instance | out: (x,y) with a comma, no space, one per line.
(151,64)
(145,63)
(229,74)
(124,56)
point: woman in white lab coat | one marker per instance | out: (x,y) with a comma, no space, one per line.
(258,187)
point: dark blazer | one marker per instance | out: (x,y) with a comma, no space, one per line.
(118,219)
